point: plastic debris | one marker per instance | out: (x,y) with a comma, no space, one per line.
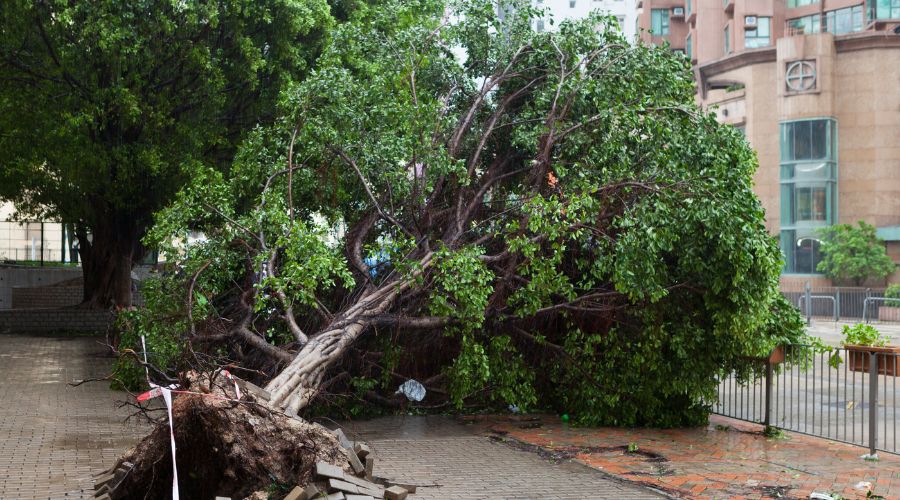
(413,390)
(820,496)
(513,409)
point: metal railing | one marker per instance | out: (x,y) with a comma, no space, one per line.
(848,395)
(841,303)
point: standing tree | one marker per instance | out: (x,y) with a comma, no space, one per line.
(853,254)
(536,219)
(104,105)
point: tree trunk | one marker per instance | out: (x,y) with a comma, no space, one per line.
(107,257)
(299,382)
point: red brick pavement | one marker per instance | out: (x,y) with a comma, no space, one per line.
(726,459)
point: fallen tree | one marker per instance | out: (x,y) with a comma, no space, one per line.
(516,217)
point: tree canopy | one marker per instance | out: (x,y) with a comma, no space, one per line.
(853,254)
(104,105)
(539,219)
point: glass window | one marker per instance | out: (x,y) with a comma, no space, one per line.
(687,8)
(688,49)
(620,20)
(540,25)
(886,9)
(800,3)
(844,20)
(659,21)
(808,190)
(727,40)
(761,36)
(805,25)
(571,4)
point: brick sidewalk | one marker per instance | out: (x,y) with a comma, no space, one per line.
(53,437)
(452,461)
(727,459)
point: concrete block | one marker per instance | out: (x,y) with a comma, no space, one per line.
(359,497)
(345,443)
(329,471)
(370,467)
(411,488)
(358,468)
(296,494)
(312,492)
(337,484)
(363,483)
(395,493)
(336,496)
(362,450)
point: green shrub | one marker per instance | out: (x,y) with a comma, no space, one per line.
(892,292)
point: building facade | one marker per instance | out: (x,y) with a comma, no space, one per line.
(815,87)
(624,11)
(29,241)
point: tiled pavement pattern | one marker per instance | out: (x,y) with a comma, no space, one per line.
(448,460)
(53,437)
(727,459)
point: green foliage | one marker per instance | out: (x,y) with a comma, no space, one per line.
(611,274)
(892,292)
(122,98)
(863,334)
(853,254)
(160,326)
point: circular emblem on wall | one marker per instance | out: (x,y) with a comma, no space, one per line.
(800,76)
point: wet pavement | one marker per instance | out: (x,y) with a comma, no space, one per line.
(447,459)
(726,459)
(54,437)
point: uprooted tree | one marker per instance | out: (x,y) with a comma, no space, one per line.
(537,219)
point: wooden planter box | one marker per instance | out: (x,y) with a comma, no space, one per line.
(858,358)
(888,313)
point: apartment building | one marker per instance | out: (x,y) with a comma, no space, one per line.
(815,87)
(624,11)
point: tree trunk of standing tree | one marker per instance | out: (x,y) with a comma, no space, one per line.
(107,257)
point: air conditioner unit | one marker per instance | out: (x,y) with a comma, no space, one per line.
(750,21)
(677,11)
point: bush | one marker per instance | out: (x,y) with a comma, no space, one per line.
(892,292)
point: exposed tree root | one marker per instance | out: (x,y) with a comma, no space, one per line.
(226,448)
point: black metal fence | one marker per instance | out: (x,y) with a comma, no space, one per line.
(846,395)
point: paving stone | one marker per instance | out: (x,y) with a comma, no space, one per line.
(329,471)
(296,494)
(370,467)
(359,497)
(395,493)
(362,450)
(356,465)
(311,492)
(337,484)
(336,496)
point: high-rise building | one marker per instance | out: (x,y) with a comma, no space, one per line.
(815,87)
(623,10)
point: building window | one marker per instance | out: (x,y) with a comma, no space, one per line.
(727,40)
(884,9)
(800,3)
(808,190)
(571,4)
(759,36)
(620,20)
(659,21)
(687,8)
(688,47)
(540,25)
(805,25)
(844,20)
(800,76)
